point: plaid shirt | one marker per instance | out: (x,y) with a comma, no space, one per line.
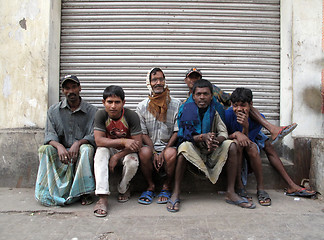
(159,132)
(222,97)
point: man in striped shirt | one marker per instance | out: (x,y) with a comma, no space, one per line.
(158,116)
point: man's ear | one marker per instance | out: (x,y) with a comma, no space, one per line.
(103,101)
(124,102)
(251,104)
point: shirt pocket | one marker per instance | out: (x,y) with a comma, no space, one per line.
(166,131)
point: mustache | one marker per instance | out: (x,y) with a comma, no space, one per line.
(71,94)
(159,86)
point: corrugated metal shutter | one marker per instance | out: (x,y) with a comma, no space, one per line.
(234,43)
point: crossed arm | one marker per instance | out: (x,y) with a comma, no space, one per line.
(126,145)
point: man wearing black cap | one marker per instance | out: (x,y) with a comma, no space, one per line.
(66,160)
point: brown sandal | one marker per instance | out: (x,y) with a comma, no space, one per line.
(101,206)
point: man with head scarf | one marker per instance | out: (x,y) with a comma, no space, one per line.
(158,116)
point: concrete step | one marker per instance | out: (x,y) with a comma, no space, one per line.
(20,164)
(196,182)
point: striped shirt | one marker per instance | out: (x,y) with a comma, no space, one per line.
(159,132)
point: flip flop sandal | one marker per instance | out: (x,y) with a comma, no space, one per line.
(302,193)
(125,195)
(173,204)
(284,131)
(238,202)
(163,193)
(147,195)
(263,196)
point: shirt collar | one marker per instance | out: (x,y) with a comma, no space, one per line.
(82,106)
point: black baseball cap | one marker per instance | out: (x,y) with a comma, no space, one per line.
(70,78)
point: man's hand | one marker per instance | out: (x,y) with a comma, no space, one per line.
(63,154)
(211,141)
(131,144)
(158,160)
(113,162)
(242,118)
(74,152)
(242,139)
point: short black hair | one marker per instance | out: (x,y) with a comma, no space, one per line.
(114,90)
(242,95)
(154,71)
(201,83)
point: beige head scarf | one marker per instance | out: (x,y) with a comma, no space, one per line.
(158,104)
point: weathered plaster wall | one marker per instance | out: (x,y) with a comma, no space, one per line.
(301,67)
(24,43)
(308,61)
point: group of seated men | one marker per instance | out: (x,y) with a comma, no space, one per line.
(209,130)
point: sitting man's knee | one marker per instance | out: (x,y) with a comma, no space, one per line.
(170,155)
(132,161)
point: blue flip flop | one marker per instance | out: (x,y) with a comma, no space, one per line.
(147,195)
(238,202)
(284,131)
(173,204)
(163,193)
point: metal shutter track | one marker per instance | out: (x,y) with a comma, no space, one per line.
(234,43)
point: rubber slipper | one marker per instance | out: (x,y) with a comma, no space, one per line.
(125,195)
(302,193)
(147,195)
(100,206)
(163,193)
(238,202)
(284,131)
(173,204)
(262,197)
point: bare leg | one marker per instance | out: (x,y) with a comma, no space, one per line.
(255,161)
(170,156)
(179,173)
(239,183)
(277,164)
(256,165)
(146,165)
(231,169)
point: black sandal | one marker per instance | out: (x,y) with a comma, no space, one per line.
(263,198)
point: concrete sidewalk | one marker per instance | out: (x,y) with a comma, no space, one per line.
(202,216)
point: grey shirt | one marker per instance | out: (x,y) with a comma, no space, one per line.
(66,127)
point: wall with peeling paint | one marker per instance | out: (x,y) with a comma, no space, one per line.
(302,64)
(24,41)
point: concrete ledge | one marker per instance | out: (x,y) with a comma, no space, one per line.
(20,164)
(19,158)
(317,165)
